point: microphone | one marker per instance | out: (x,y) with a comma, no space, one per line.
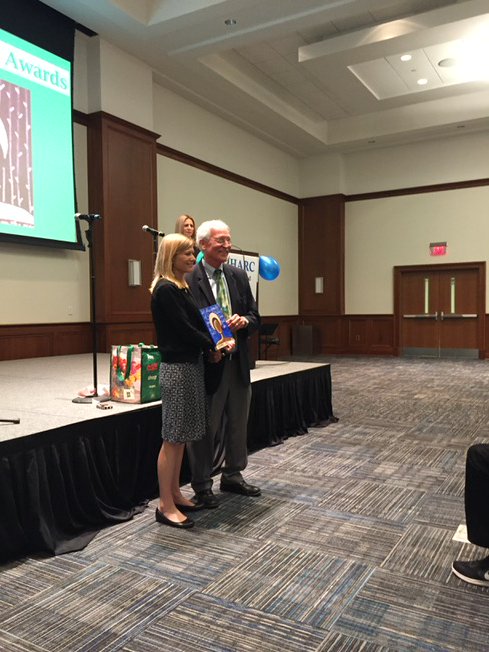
(237,250)
(88,217)
(149,229)
(247,267)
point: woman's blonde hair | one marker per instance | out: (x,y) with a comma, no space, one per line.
(181,221)
(170,246)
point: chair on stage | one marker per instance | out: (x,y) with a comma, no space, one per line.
(266,339)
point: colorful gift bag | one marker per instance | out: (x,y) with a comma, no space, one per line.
(134,373)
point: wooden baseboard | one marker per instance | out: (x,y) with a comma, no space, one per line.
(351,334)
(332,335)
(40,340)
(43,340)
(328,335)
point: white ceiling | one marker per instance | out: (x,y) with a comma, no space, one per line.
(312,76)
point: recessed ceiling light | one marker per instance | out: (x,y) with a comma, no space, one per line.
(406,57)
(422,81)
(230,22)
(449,62)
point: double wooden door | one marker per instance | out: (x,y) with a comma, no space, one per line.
(440,310)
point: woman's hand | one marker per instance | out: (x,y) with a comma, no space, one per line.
(229,348)
(217,356)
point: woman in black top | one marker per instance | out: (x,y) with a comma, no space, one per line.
(182,339)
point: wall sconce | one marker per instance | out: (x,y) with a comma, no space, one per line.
(134,272)
(319,285)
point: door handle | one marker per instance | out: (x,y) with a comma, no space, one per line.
(422,316)
(461,316)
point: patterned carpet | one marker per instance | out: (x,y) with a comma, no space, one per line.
(347,550)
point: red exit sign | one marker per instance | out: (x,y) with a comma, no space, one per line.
(438,248)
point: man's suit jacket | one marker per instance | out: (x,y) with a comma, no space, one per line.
(242,303)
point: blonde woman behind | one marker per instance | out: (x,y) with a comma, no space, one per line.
(182,340)
(185,225)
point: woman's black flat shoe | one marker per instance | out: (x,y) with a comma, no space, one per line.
(161,518)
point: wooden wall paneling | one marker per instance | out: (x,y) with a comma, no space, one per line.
(284,334)
(122,188)
(329,338)
(321,254)
(371,334)
(132,333)
(333,335)
(33,345)
(70,339)
(336,334)
(357,333)
(42,340)
(381,334)
(327,332)
(131,203)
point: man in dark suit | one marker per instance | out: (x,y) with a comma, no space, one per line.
(213,281)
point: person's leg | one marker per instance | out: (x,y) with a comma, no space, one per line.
(477,515)
(169,462)
(178,497)
(183,503)
(236,431)
(477,494)
(201,452)
(236,435)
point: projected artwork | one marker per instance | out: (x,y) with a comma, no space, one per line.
(16,187)
(37,194)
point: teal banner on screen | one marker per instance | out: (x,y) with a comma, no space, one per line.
(37,198)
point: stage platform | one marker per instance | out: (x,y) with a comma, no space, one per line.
(68,469)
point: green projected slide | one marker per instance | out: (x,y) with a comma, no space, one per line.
(36,144)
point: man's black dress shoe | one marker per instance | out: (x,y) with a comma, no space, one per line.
(190,508)
(206,498)
(161,518)
(241,487)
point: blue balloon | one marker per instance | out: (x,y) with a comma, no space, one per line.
(269,268)
(200,255)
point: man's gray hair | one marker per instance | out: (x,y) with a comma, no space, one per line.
(204,230)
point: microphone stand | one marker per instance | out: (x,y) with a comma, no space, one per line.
(90,219)
(155,245)
(155,234)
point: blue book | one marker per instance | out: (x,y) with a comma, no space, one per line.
(217,326)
